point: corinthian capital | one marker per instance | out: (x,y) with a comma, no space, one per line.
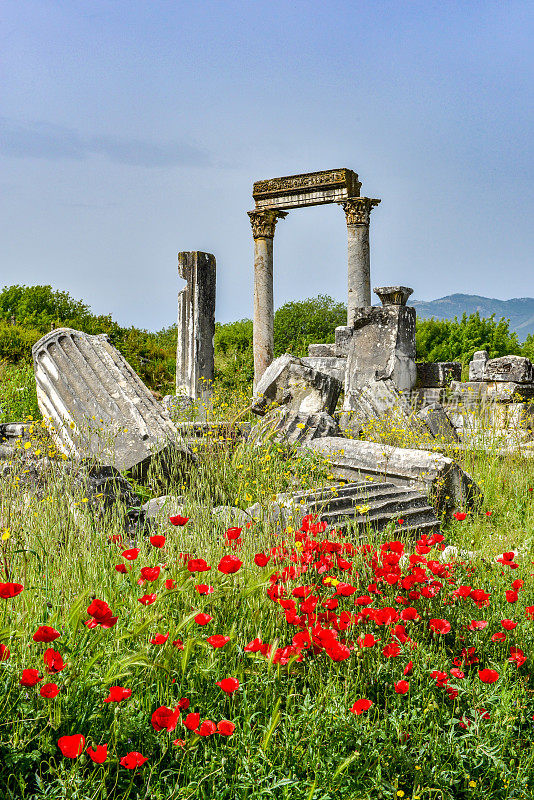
(358,210)
(264,222)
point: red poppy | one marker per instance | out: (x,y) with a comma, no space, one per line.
(518,584)
(203,588)
(529,612)
(225,727)
(178,520)
(361,705)
(179,742)
(261,560)
(409,614)
(508,624)
(150,573)
(368,640)
(101,613)
(53,661)
(401,687)
(391,650)
(45,634)
(218,640)
(157,541)
(98,755)
(191,721)
(439,625)
(183,704)
(203,619)
(117,693)
(364,600)
(147,599)
(477,625)
(517,656)
(30,677)
(459,515)
(197,565)
(178,644)
(500,636)
(207,728)
(488,675)
(165,718)
(9,590)
(132,554)
(121,568)
(160,638)
(457,673)
(4,653)
(229,564)
(408,669)
(170,584)
(228,685)
(338,651)
(71,746)
(511,596)
(49,690)
(345,589)
(233,533)
(133,760)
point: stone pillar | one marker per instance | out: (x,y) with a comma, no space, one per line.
(263,225)
(357,212)
(196,324)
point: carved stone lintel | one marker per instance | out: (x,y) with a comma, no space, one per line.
(264,222)
(358,210)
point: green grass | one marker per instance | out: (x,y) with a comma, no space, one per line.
(295,735)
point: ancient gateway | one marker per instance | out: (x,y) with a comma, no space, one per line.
(273,199)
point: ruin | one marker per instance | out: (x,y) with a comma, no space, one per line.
(196,324)
(274,198)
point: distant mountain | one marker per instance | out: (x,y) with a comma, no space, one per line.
(519,310)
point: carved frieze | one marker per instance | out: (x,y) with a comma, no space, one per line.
(264,222)
(358,210)
(311,188)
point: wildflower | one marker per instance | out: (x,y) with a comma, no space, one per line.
(203,588)
(191,721)
(367,641)
(477,625)
(71,746)
(500,636)
(228,685)
(529,612)
(132,554)
(218,640)
(229,564)
(101,613)
(165,718)
(391,650)
(197,565)
(178,644)
(457,673)
(49,690)
(261,560)
(53,661)
(133,760)
(511,596)
(4,653)
(30,677)
(121,568)
(488,675)
(225,727)
(98,755)
(178,520)
(207,728)
(170,584)
(203,619)
(160,638)
(232,534)
(9,590)
(157,541)
(408,669)
(179,742)
(117,694)
(150,573)
(45,634)
(517,656)
(183,704)
(459,515)
(508,624)
(401,687)
(439,625)
(361,705)
(147,599)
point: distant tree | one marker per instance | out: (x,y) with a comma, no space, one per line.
(454,340)
(304,322)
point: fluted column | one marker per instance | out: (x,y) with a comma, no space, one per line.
(263,225)
(357,212)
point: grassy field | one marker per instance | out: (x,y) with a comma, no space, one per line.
(350,668)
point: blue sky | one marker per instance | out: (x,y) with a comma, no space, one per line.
(132,130)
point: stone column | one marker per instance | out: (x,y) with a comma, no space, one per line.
(196,324)
(357,212)
(263,225)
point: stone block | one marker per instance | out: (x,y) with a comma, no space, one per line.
(288,381)
(335,367)
(96,406)
(382,346)
(424,397)
(378,400)
(477,365)
(510,369)
(292,427)
(438,423)
(196,324)
(322,350)
(446,483)
(343,336)
(437,374)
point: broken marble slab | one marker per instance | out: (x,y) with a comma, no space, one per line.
(289,381)
(292,427)
(96,406)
